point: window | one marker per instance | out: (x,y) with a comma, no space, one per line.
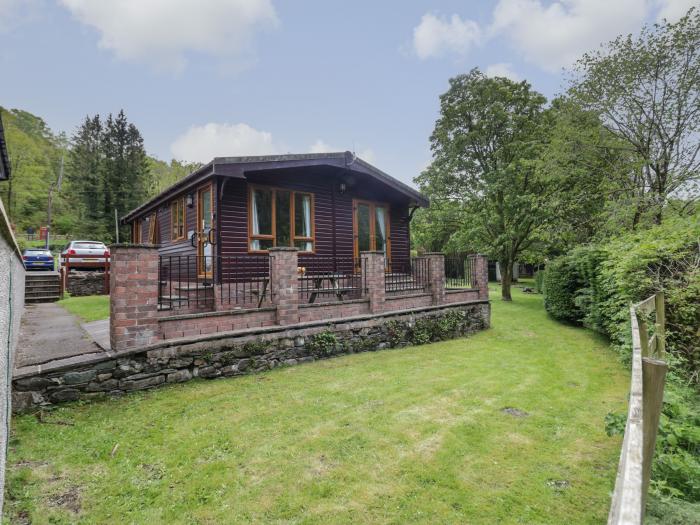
(136,233)
(280,218)
(153,229)
(371,225)
(177,219)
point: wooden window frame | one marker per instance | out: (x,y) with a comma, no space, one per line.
(372,226)
(175,233)
(136,231)
(153,229)
(293,237)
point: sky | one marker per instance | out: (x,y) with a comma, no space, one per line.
(206,78)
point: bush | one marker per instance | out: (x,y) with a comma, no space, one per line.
(539,281)
(561,282)
(595,285)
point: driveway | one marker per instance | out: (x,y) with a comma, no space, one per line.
(49,333)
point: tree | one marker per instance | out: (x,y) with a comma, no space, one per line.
(646,91)
(109,170)
(486,145)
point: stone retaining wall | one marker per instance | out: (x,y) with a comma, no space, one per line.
(85,283)
(253,350)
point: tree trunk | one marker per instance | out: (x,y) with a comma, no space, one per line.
(506,279)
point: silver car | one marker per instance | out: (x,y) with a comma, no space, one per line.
(85,254)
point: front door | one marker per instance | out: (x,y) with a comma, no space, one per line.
(371,225)
(205,220)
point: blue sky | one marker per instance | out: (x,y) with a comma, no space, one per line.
(234,77)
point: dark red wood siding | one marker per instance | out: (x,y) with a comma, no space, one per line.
(333,212)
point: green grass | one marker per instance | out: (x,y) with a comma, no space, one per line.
(88,308)
(415,435)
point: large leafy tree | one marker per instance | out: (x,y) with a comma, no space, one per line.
(646,90)
(484,178)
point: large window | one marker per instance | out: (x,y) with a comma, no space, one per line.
(177,219)
(280,218)
(371,225)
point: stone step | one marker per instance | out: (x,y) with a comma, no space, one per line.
(41,299)
(44,290)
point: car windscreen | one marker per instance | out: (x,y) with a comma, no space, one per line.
(37,252)
(89,245)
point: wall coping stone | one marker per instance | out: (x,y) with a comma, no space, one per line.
(336,303)
(407,296)
(217,313)
(89,359)
(139,246)
(460,290)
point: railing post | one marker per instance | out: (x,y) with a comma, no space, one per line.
(133,302)
(481,275)
(653,377)
(284,284)
(374,266)
(436,276)
(660,324)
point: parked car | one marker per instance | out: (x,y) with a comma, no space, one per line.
(85,254)
(38,259)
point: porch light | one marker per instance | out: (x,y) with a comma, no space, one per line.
(341,188)
(189,200)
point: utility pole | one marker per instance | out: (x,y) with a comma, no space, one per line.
(57,186)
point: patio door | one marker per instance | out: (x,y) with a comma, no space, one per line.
(205,220)
(371,228)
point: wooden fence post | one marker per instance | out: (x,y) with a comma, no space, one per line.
(653,377)
(660,324)
(643,335)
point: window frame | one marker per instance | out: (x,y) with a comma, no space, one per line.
(372,226)
(136,232)
(293,238)
(153,228)
(175,235)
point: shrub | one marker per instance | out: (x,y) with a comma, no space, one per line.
(561,282)
(322,343)
(539,281)
(595,285)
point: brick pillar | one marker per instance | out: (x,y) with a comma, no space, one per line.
(436,269)
(481,275)
(284,284)
(373,266)
(133,301)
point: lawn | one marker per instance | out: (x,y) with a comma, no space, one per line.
(88,308)
(415,435)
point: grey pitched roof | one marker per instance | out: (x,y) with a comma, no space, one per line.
(238,166)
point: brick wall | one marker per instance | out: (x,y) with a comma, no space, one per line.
(136,321)
(133,305)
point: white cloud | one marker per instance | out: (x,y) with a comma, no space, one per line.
(203,143)
(673,10)
(162,32)
(435,37)
(555,35)
(320,146)
(502,69)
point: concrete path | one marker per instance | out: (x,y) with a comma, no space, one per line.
(50,333)
(99,332)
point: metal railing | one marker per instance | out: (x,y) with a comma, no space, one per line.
(244,280)
(326,279)
(460,271)
(645,402)
(197,281)
(407,276)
